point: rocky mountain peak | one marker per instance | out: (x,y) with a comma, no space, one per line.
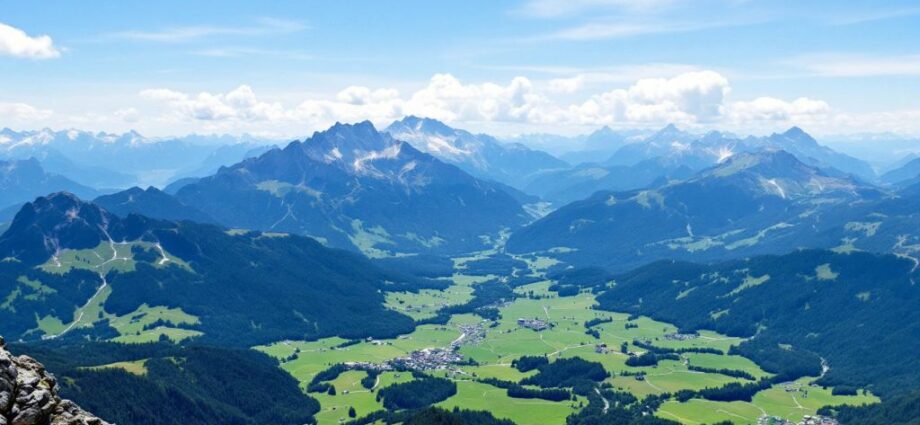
(29,395)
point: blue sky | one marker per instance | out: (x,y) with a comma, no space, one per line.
(288,68)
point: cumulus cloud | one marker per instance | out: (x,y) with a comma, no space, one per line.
(446,98)
(239,104)
(773,109)
(15,42)
(567,85)
(128,114)
(695,98)
(23,113)
(692,97)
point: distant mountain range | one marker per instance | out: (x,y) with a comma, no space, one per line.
(352,186)
(906,172)
(671,154)
(122,160)
(24,180)
(751,203)
(481,155)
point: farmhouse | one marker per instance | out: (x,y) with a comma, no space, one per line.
(535,324)
(680,337)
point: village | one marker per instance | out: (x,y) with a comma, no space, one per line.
(432,358)
(806,420)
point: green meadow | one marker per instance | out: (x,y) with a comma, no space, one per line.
(506,341)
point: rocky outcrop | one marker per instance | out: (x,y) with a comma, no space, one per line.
(29,395)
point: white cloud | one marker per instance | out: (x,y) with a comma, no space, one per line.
(446,98)
(836,65)
(692,97)
(128,114)
(562,8)
(15,42)
(773,109)
(567,85)
(700,99)
(239,104)
(264,26)
(357,95)
(23,113)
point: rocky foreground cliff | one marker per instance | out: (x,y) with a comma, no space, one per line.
(29,395)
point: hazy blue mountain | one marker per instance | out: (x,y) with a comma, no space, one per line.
(554,144)
(885,151)
(152,203)
(22,181)
(122,160)
(213,274)
(222,156)
(671,154)
(910,170)
(480,155)
(352,186)
(600,144)
(94,176)
(668,142)
(752,203)
(674,146)
(581,181)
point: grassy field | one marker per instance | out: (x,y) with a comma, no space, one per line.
(478,396)
(105,258)
(426,302)
(775,401)
(350,393)
(131,326)
(506,341)
(137,367)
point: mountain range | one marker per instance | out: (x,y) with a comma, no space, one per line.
(160,294)
(108,160)
(64,257)
(480,155)
(352,186)
(24,180)
(671,154)
(751,203)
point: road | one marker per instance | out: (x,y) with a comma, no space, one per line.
(606,403)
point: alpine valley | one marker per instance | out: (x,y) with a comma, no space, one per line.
(428,275)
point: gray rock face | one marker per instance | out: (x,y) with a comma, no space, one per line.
(28,395)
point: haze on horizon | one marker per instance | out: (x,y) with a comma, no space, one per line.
(533,66)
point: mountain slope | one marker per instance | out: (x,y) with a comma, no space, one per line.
(22,181)
(794,299)
(174,384)
(98,273)
(908,171)
(152,203)
(583,180)
(352,186)
(766,202)
(478,154)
